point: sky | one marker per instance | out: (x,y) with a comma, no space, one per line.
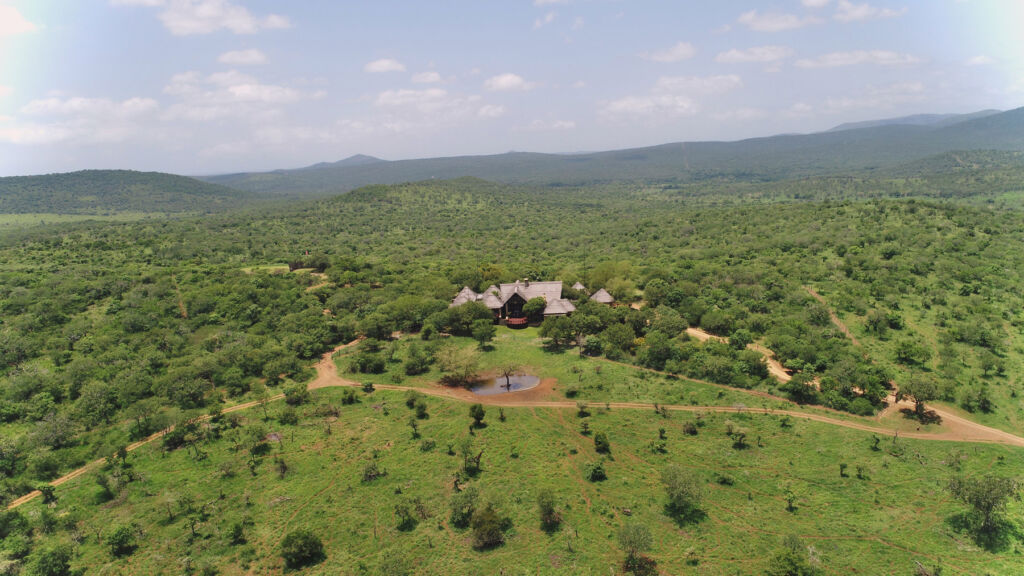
(216,86)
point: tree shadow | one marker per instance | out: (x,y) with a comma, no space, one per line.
(554,347)
(552,526)
(686,516)
(998,538)
(926,417)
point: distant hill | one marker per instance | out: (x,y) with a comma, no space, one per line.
(104,191)
(887,145)
(935,120)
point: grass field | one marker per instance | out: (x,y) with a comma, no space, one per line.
(879,524)
(593,379)
(21,221)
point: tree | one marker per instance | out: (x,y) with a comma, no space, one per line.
(508,369)
(477,413)
(483,332)
(912,352)
(740,338)
(52,561)
(601,444)
(122,540)
(793,559)
(922,389)
(534,308)
(302,548)
(416,360)
(549,516)
(635,539)
(987,496)
(557,329)
(462,506)
(582,325)
(683,489)
(296,394)
(488,527)
(459,364)
(618,339)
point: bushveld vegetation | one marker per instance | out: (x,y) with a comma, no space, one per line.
(113,331)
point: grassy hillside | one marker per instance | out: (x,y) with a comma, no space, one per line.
(112,331)
(227,512)
(102,192)
(772,158)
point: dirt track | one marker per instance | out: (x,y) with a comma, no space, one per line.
(835,319)
(954,428)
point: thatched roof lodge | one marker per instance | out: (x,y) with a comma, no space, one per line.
(507,300)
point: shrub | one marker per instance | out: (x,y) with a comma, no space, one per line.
(296,394)
(462,505)
(601,444)
(595,472)
(301,548)
(122,540)
(288,416)
(488,527)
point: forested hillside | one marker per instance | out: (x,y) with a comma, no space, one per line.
(99,192)
(111,332)
(783,157)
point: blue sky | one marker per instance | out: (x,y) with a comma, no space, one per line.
(207,86)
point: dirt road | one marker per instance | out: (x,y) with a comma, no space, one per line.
(954,428)
(831,313)
(775,368)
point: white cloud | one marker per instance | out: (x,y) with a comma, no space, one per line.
(876,57)
(230,94)
(672,96)
(189,17)
(507,82)
(698,84)
(740,114)
(847,11)
(251,57)
(883,97)
(426,78)
(4,90)
(545,126)
(491,111)
(384,65)
(12,22)
(406,110)
(677,53)
(774,22)
(815,3)
(755,54)
(407,97)
(88,120)
(980,60)
(544,20)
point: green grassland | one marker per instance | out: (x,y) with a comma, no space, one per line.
(897,513)
(593,379)
(21,221)
(110,331)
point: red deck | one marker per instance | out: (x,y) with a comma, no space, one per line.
(516,321)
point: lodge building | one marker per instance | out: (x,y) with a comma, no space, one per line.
(506,301)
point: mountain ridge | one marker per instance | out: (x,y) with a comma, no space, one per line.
(768,158)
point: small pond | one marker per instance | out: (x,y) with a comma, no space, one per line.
(498,386)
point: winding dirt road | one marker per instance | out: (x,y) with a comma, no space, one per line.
(954,428)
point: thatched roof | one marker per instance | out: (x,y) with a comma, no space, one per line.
(559,307)
(602,296)
(494,297)
(579,287)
